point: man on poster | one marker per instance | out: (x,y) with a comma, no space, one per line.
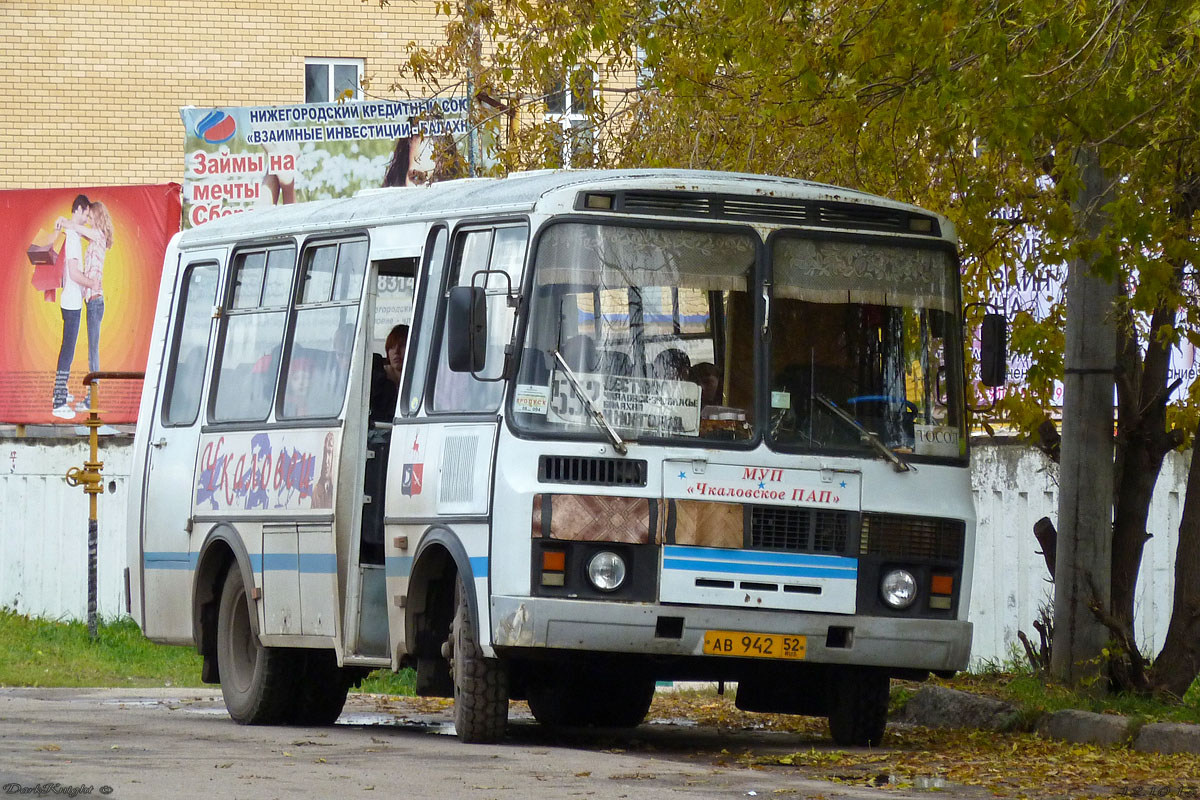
(71,305)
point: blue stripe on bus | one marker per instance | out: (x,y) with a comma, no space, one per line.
(401,566)
(726,568)
(165,560)
(309,563)
(760,557)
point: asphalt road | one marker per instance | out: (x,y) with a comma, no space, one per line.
(139,743)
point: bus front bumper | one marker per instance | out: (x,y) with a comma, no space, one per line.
(609,627)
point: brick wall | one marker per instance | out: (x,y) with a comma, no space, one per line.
(91,91)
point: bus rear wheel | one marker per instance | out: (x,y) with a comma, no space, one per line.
(257,682)
(858,710)
(480,683)
(321,688)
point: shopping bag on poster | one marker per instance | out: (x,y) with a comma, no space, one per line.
(47,263)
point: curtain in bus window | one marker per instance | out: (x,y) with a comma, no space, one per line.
(832,271)
(186,377)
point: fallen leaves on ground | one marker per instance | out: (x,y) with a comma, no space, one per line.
(1003,765)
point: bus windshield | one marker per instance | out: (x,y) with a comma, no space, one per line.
(676,333)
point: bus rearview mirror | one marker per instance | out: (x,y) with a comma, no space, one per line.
(993,350)
(466,326)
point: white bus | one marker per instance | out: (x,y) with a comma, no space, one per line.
(649,425)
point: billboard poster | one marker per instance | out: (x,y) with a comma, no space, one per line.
(79,284)
(246,157)
(1036,292)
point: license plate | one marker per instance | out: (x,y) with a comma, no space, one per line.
(754,645)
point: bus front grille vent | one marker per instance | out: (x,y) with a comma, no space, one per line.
(766,208)
(895,536)
(674,203)
(592,471)
(798,530)
(852,215)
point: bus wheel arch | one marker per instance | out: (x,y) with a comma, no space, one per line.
(222,550)
(430,607)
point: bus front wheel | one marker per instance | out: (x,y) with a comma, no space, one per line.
(480,683)
(858,710)
(256,681)
(590,699)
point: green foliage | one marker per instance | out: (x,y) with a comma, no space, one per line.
(39,652)
(384,681)
(972,109)
(1034,696)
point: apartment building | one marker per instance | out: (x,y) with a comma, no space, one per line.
(93,91)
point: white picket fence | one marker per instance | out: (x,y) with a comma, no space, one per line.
(43,538)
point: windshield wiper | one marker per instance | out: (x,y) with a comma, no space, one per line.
(898,463)
(596,414)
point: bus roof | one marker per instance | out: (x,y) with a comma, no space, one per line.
(517,193)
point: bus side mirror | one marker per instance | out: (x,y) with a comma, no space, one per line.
(466,328)
(993,350)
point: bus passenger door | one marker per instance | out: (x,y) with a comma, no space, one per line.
(169,488)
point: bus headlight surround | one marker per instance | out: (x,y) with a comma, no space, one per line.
(606,570)
(898,588)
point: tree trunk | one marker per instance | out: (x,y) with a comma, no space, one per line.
(1083,563)
(1142,443)
(1179,662)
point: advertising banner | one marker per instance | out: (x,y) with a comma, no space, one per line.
(251,156)
(1037,292)
(79,284)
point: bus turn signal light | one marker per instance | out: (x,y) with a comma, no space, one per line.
(554,568)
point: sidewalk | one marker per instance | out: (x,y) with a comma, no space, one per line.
(938,707)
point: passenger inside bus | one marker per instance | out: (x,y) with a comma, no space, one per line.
(385,375)
(708,377)
(671,364)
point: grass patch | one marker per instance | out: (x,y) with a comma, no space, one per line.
(46,653)
(1034,695)
(40,652)
(384,681)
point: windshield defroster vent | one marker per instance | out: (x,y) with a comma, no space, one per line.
(591,471)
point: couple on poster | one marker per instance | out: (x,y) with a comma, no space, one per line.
(82,292)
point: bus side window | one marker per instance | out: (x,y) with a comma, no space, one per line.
(186,374)
(314,383)
(253,334)
(420,336)
(501,249)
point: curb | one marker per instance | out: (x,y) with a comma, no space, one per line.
(939,707)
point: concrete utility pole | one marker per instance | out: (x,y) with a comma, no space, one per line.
(1085,500)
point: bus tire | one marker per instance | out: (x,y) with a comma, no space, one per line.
(480,684)
(321,689)
(590,701)
(257,682)
(858,713)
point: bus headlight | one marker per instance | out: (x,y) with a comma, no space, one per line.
(606,571)
(898,588)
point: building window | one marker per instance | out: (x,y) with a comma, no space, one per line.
(569,107)
(326,79)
